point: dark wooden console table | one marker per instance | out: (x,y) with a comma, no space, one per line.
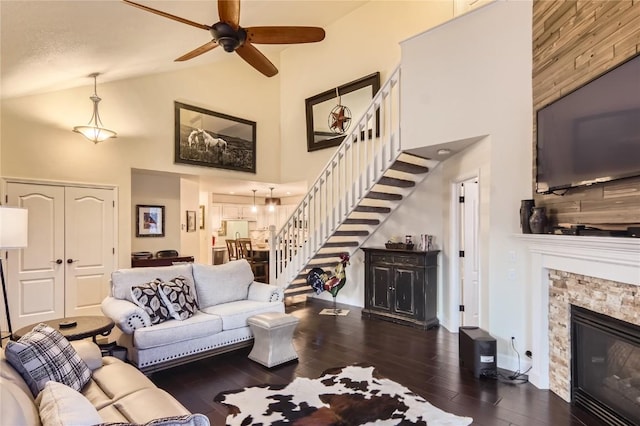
(159,261)
(401,286)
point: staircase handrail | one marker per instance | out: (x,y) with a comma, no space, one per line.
(303,235)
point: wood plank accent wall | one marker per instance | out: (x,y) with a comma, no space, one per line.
(574,42)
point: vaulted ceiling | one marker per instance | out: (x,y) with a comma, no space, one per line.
(55,45)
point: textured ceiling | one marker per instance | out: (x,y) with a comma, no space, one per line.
(55,45)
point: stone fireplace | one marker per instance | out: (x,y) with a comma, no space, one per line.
(601,274)
(613,299)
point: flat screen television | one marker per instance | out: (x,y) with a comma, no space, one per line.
(592,134)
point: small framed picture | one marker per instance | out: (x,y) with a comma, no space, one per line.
(149,221)
(201,217)
(191,221)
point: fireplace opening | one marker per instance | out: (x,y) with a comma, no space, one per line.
(605,367)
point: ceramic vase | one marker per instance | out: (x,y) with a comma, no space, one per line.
(538,220)
(526,208)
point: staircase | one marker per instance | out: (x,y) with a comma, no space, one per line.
(363,183)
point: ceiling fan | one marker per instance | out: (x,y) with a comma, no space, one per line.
(232,37)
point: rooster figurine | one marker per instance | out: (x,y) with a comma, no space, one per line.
(321,281)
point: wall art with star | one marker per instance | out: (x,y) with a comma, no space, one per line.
(330,113)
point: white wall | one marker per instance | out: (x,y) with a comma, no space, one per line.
(189,201)
(37,142)
(468,78)
(361,43)
(160,190)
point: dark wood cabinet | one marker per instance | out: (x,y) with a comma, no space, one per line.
(160,261)
(401,286)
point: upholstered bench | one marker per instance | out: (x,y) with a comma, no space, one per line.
(272,332)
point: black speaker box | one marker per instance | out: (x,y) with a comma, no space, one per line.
(477,352)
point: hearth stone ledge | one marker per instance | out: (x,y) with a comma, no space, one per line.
(609,258)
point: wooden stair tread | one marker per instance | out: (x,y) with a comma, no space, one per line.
(341,244)
(361,222)
(400,183)
(351,233)
(415,169)
(375,195)
(372,209)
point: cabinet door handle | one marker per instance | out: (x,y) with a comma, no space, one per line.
(58,261)
(72,260)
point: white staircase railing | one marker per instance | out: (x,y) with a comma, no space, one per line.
(366,153)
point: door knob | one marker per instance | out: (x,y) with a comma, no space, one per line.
(72,260)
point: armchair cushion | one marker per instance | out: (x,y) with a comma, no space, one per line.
(44,354)
(58,404)
(218,284)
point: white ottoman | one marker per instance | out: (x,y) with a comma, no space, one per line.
(272,332)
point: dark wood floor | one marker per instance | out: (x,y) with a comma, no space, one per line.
(424,361)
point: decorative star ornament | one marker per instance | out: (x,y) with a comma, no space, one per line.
(339,119)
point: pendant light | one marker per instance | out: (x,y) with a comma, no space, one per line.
(94,130)
(254,208)
(272,206)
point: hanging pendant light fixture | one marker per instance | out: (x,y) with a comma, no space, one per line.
(254,208)
(94,130)
(272,202)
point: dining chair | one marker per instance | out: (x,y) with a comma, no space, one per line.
(232,248)
(260,267)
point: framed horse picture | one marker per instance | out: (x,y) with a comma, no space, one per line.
(211,139)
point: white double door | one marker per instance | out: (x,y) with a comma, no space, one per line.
(65,269)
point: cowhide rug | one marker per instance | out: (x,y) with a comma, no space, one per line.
(352,395)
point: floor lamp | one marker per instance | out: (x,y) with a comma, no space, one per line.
(13,235)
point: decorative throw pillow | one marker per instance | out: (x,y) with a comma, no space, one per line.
(178,298)
(184,420)
(43,354)
(148,298)
(58,404)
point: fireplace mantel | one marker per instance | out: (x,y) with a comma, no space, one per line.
(609,258)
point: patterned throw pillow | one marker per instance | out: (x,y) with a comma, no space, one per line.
(178,297)
(184,420)
(43,354)
(148,298)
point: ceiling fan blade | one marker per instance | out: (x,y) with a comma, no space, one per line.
(229,12)
(256,59)
(198,51)
(284,35)
(168,15)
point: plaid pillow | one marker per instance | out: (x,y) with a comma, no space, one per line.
(147,297)
(44,354)
(178,297)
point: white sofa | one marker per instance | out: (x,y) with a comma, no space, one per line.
(226,295)
(116,390)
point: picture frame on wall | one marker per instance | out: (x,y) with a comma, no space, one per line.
(201,216)
(191,220)
(319,110)
(212,139)
(149,221)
